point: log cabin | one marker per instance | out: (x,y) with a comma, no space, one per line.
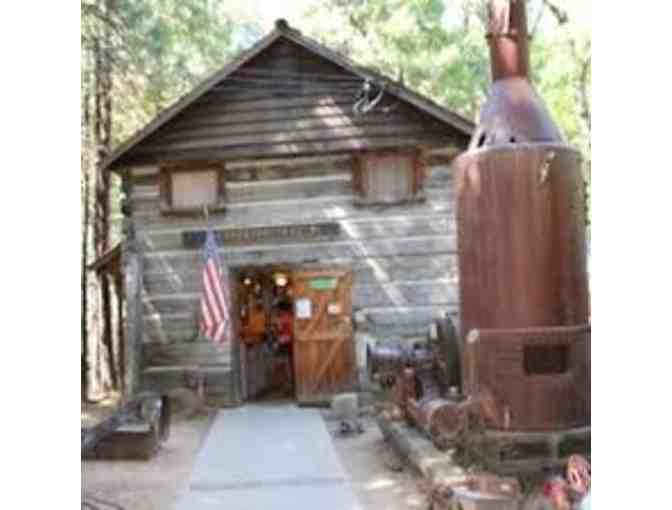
(328,186)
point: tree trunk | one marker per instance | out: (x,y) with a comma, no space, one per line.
(102,220)
(86,120)
(90,335)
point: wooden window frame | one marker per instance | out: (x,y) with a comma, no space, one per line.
(417,176)
(166,172)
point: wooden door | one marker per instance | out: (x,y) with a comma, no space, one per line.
(324,355)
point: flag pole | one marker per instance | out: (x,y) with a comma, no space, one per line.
(207,217)
(200,376)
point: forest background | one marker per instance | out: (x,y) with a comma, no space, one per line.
(139,56)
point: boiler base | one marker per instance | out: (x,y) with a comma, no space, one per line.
(523,452)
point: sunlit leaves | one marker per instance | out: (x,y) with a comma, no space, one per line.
(439,48)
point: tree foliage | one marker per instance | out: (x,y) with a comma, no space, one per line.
(438,48)
(137,57)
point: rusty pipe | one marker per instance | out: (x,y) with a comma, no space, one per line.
(508,39)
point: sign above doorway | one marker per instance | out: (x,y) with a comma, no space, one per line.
(245,236)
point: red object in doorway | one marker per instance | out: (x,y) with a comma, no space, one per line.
(285,323)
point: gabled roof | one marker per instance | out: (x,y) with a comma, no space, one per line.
(282,30)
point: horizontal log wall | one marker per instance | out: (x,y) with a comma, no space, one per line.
(259,111)
(403,259)
(288,145)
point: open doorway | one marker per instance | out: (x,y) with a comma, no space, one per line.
(296,333)
(266,311)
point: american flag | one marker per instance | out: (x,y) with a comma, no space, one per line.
(215,301)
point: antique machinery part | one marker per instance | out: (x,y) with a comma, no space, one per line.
(437,362)
(385,361)
(448,365)
(521,248)
(405,393)
(542,375)
(445,421)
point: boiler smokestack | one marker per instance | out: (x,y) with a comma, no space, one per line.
(508,39)
(513,112)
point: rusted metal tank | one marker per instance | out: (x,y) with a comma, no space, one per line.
(521,247)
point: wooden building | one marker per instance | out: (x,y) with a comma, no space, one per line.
(337,201)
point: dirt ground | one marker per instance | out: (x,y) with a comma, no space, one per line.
(156,484)
(374,471)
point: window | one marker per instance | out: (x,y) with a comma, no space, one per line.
(388,177)
(545,359)
(188,189)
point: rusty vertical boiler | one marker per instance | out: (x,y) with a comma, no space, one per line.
(525,321)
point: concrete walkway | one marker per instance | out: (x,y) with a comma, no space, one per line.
(270,458)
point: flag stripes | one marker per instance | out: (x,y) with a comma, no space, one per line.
(215,300)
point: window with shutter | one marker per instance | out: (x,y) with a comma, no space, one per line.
(388,177)
(190,189)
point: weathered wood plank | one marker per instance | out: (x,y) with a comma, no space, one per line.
(163,334)
(288,139)
(275,170)
(238,93)
(364,231)
(144,171)
(305,148)
(402,294)
(171,331)
(254,117)
(390,322)
(224,102)
(293,211)
(163,380)
(179,261)
(181,353)
(366,271)
(244,184)
(281,174)
(295,162)
(166,322)
(261,191)
(273,120)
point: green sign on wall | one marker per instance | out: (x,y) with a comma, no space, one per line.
(323,283)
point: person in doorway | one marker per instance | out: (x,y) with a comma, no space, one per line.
(284,323)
